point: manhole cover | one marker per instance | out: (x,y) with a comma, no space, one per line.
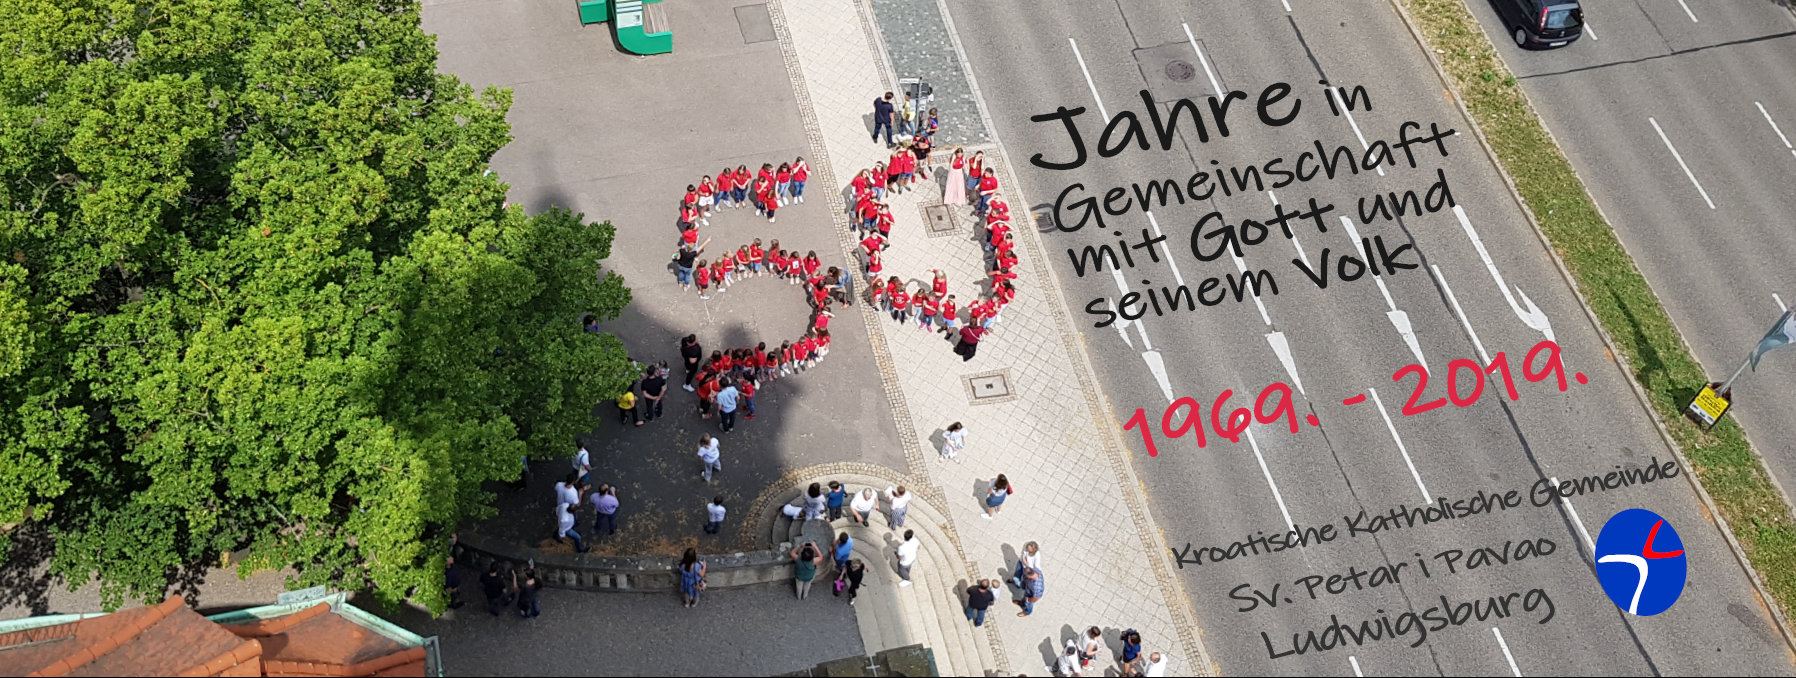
(939,220)
(1180,71)
(989,387)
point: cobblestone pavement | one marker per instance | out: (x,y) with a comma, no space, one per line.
(1076,494)
(916,41)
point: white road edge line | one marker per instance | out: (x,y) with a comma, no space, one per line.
(1400,448)
(1680,159)
(1462,317)
(1214,86)
(1499,633)
(1342,106)
(1355,662)
(1280,498)
(1088,82)
(1774,127)
(1575,519)
(1780,302)
(1693,20)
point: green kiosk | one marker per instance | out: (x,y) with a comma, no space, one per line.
(641,24)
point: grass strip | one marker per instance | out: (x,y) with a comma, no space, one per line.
(1614,287)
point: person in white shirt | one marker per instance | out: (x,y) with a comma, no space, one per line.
(1068,664)
(953,441)
(714,512)
(568,491)
(792,511)
(900,499)
(863,505)
(564,517)
(583,464)
(907,556)
(709,454)
(1029,559)
(1156,665)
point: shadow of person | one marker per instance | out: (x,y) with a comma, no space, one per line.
(1050,655)
(889,553)
(1007,571)
(981,488)
(938,438)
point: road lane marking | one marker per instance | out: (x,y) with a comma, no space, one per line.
(1121,324)
(1241,265)
(1400,448)
(1336,99)
(1505,646)
(1534,318)
(1287,4)
(1774,128)
(1214,86)
(1088,82)
(1157,365)
(1462,318)
(1399,319)
(1282,348)
(1355,662)
(1575,519)
(1166,248)
(1294,243)
(1280,498)
(1589,30)
(1693,20)
(1680,159)
(1780,302)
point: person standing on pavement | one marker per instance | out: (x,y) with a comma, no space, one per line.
(954,440)
(969,342)
(955,193)
(494,586)
(727,400)
(568,490)
(604,503)
(907,114)
(862,507)
(883,117)
(851,579)
(528,606)
(692,577)
(452,583)
(583,466)
(1029,559)
(814,503)
(1089,646)
(1068,663)
(709,453)
(1033,586)
(714,513)
(844,549)
(690,354)
(907,556)
(1131,653)
(900,500)
(979,598)
(654,388)
(805,560)
(837,494)
(995,496)
(626,407)
(1156,666)
(564,518)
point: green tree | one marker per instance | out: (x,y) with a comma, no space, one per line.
(258,291)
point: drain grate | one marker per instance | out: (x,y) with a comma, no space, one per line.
(1171,74)
(989,387)
(939,220)
(1180,71)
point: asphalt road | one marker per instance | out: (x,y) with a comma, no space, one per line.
(1342,343)
(1722,89)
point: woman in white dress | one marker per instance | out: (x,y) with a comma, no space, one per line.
(956,191)
(953,441)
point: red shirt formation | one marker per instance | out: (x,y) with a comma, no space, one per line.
(767,190)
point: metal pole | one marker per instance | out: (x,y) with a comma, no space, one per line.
(1730,380)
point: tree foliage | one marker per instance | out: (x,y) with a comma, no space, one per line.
(258,291)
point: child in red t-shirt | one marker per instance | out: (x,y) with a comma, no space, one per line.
(819,297)
(875,264)
(927,307)
(782,181)
(821,322)
(755,256)
(900,303)
(784,357)
(726,183)
(822,343)
(941,282)
(707,196)
(795,268)
(877,292)
(950,315)
(746,388)
(701,274)
(726,265)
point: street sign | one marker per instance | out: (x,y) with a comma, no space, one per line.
(1708,406)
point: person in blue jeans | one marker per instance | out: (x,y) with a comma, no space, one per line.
(882,118)
(844,549)
(837,493)
(979,597)
(528,605)
(1033,587)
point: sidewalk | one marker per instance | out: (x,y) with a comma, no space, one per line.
(1077,495)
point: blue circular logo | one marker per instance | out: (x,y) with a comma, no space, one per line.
(1640,562)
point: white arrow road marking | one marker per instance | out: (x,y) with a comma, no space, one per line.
(1121,324)
(1400,448)
(1283,348)
(1462,319)
(1534,318)
(1157,365)
(1241,266)
(1399,319)
(1639,563)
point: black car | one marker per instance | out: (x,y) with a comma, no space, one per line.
(1541,23)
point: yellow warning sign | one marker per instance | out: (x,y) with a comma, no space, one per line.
(1708,406)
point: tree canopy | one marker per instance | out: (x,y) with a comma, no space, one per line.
(258,290)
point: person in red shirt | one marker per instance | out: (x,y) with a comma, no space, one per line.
(1001,275)
(969,342)
(693,201)
(702,276)
(746,388)
(808,347)
(995,231)
(717,276)
(875,264)
(755,256)
(785,358)
(811,263)
(885,220)
(822,343)
(766,171)
(782,181)
(777,262)
(900,304)
(927,306)
(801,172)
(689,238)
(863,184)
(795,268)
(689,218)
(726,265)
(895,170)
(950,315)
(760,358)
(821,322)
(981,312)
(867,208)
(941,282)
(707,196)
(975,171)
(707,389)
(988,187)
(726,183)
(819,297)
(740,181)
(876,293)
(872,243)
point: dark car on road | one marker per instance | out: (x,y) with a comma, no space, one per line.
(1541,23)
